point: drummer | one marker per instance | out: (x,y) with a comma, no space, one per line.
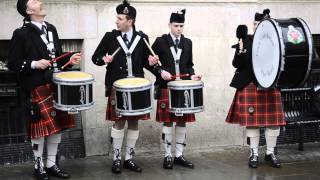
(31,59)
(254,108)
(161,47)
(117,68)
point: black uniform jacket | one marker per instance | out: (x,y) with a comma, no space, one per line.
(243,62)
(118,68)
(161,47)
(26,46)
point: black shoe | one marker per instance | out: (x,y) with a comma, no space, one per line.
(131,165)
(116,166)
(272,160)
(55,171)
(168,162)
(183,162)
(39,171)
(253,161)
(40,174)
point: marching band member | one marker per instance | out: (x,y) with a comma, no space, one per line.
(167,47)
(117,68)
(32,48)
(252,107)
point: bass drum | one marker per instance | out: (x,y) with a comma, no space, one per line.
(282,53)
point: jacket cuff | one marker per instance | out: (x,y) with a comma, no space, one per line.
(25,66)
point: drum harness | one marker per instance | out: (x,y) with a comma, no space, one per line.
(128,53)
(176,56)
(50,47)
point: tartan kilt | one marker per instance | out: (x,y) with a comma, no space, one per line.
(111,114)
(256,108)
(163,114)
(52,120)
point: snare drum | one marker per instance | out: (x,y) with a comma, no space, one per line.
(282,53)
(133,96)
(73,91)
(185,97)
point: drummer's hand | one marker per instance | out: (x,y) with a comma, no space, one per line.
(196,77)
(153,60)
(107,59)
(42,64)
(240,44)
(75,59)
(166,75)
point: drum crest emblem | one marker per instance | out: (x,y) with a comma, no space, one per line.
(186,98)
(294,36)
(82,94)
(125,101)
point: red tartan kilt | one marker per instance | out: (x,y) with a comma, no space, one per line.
(111,114)
(52,120)
(266,104)
(163,114)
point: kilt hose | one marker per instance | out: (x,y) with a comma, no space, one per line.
(163,114)
(111,114)
(52,120)
(256,108)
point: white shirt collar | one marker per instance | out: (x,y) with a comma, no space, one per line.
(39,25)
(129,34)
(174,38)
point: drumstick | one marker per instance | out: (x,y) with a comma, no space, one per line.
(180,75)
(151,50)
(66,64)
(115,52)
(60,57)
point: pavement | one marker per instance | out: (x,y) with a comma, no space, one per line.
(210,164)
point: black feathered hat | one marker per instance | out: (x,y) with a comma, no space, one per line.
(264,15)
(126,9)
(242,31)
(22,7)
(178,17)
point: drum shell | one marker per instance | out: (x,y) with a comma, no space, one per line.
(133,101)
(294,63)
(73,95)
(179,102)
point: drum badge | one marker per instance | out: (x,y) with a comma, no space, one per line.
(53,113)
(294,36)
(82,94)
(186,98)
(125,101)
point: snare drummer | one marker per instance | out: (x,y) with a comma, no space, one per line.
(177,42)
(117,68)
(30,57)
(255,108)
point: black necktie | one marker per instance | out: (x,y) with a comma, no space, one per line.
(125,39)
(44,29)
(176,44)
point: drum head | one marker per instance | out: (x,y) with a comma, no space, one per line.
(185,83)
(132,83)
(266,52)
(73,76)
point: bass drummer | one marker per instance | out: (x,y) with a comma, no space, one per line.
(32,48)
(252,107)
(167,47)
(118,68)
